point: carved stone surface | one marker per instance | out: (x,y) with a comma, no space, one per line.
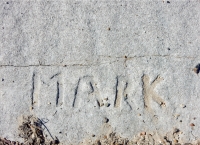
(87,68)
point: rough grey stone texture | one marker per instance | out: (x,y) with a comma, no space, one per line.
(74,63)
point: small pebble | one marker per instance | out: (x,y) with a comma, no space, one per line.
(176,130)
(101,104)
(183,106)
(106,120)
(56,141)
(197,69)
(177,116)
(107,104)
(175,141)
(192,124)
(143,133)
(98,142)
(162,104)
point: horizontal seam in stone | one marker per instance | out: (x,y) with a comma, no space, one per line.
(66,65)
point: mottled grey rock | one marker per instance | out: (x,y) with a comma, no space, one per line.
(59,60)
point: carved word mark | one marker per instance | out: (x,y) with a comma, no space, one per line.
(86,90)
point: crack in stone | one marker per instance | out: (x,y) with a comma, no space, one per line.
(96,63)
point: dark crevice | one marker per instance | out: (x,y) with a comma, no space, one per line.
(54,75)
(58,93)
(33,88)
(76,91)
(116,90)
